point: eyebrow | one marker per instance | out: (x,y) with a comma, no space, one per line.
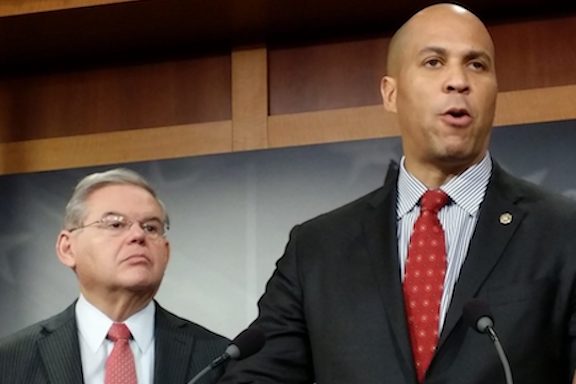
(146,218)
(470,55)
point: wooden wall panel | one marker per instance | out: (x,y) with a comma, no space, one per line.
(253,99)
(115,147)
(114,99)
(345,124)
(530,54)
(538,105)
(370,122)
(535,54)
(326,76)
(249,98)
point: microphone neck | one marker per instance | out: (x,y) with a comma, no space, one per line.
(219,360)
(501,355)
(492,334)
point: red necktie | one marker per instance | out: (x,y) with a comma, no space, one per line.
(424,279)
(120,368)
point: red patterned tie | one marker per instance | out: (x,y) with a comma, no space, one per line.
(120,368)
(424,279)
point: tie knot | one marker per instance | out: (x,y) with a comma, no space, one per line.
(119,331)
(433,200)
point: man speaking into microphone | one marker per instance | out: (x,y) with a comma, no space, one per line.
(373,292)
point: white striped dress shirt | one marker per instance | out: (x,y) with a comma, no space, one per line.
(458,218)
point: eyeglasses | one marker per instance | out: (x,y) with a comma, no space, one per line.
(117,224)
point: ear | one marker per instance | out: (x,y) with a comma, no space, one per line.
(65,250)
(388,91)
(167,250)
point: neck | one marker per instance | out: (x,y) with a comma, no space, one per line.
(119,306)
(431,177)
(435,175)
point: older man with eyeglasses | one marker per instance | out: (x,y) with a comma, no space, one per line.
(114,239)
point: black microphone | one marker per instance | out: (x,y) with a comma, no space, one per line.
(247,343)
(478,316)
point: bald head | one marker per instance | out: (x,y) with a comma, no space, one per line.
(429,21)
(441,84)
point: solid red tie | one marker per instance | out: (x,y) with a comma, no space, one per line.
(120,368)
(424,279)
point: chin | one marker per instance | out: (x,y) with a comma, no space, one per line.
(460,160)
(140,283)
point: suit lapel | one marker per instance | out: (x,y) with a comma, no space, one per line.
(59,349)
(488,243)
(492,234)
(382,242)
(173,353)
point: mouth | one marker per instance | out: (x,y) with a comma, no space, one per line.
(137,259)
(457,117)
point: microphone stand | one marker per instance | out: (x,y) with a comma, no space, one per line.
(216,362)
(501,355)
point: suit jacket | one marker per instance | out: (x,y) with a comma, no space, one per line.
(333,309)
(49,351)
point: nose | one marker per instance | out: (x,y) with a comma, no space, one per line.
(457,81)
(136,233)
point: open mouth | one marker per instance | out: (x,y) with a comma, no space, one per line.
(457,112)
(458,117)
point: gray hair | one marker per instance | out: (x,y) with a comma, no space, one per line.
(76,207)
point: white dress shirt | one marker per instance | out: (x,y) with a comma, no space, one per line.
(458,218)
(93,326)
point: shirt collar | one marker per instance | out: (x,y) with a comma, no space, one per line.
(466,190)
(93,324)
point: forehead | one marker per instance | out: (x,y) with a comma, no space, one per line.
(456,33)
(120,198)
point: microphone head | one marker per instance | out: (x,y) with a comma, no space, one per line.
(247,343)
(478,316)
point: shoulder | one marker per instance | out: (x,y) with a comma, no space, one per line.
(26,337)
(356,211)
(39,330)
(342,223)
(19,352)
(352,209)
(21,339)
(532,196)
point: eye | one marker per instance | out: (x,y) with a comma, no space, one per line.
(152,228)
(478,65)
(432,62)
(115,223)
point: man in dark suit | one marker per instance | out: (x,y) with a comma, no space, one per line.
(114,239)
(348,303)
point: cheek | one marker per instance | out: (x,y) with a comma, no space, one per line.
(161,254)
(486,97)
(490,109)
(99,253)
(486,116)
(415,104)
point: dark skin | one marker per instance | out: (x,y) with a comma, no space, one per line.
(441,84)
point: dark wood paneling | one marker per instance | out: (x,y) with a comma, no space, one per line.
(115,99)
(530,54)
(326,76)
(33,31)
(536,54)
